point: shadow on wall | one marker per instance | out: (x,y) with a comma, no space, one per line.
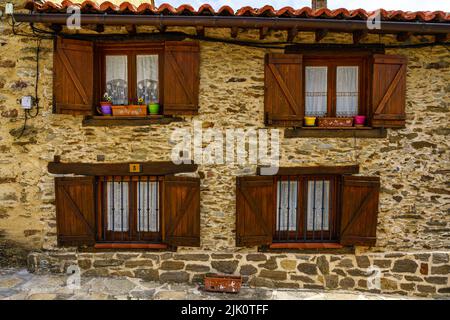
(12,254)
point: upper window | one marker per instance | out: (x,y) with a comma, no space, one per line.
(131,77)
(332,90)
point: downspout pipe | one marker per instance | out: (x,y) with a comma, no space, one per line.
(240,22)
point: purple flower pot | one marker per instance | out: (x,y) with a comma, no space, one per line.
(105,109)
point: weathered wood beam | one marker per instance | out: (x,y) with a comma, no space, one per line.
(200,31)
(292,33)
(403,36)
(320,34)
(162,28)
(263,32)
(358,36)
(285,171)
(107,169)
(234,32)
(131,28)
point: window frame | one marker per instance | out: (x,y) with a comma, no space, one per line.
(131,50)
(132,235)
(332,62)
(331,236)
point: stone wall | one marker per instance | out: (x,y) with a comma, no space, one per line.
(412,162)
(422,274)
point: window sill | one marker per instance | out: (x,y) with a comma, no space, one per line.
(336,132)
(111,121)
(306,246)
(130,246)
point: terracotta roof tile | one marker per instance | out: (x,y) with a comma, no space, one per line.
(125,7)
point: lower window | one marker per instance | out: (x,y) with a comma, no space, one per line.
(305,209)
(129,209)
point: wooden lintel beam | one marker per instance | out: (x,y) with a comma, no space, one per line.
(285,171)
(292,33)
(234,32)
(131,28)
(320,34)
(358,36)
(119,169)
(200,31)
(263,33)
(403,36)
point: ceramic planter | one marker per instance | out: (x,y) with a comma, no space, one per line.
(223,283)
(310,121)
(153,108)
(360,121)
(129,111)
(335,122)
(105,108)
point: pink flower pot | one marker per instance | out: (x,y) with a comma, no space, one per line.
(360,120)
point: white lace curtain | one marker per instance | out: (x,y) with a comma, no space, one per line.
(116,79)
(316,85)
(347,91)
(148,206)
(287,206)
(318,205)
(118,207)
(147,77)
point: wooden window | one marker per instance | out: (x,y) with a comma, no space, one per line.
(129,209)
(307,210)
(166,72)
(130,71)
(335,85)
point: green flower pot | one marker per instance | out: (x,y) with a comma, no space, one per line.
(153,108)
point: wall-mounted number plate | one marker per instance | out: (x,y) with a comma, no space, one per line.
(135,167)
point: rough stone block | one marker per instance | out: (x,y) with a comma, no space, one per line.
(405,266)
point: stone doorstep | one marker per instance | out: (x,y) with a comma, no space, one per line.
(400,271)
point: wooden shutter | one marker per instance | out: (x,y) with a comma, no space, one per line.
(389,91)
(181,77)
(73,76)
(181,211)
(255,207)
(359,210)
(75,213)
(284,89)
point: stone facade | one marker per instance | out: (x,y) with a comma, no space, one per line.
(412,163)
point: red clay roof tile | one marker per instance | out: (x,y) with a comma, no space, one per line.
(265,11)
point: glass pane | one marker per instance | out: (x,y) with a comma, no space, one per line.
(316,85)
(148,206)
(117,207)
(347,91)
(318,205)
(287,206)
(116,79)
(147,78)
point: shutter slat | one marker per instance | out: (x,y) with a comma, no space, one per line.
(389,91)
(359,210)
(283,103)
(75,210)
(254,210)
(73,83)
(181,77)
(181,211)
